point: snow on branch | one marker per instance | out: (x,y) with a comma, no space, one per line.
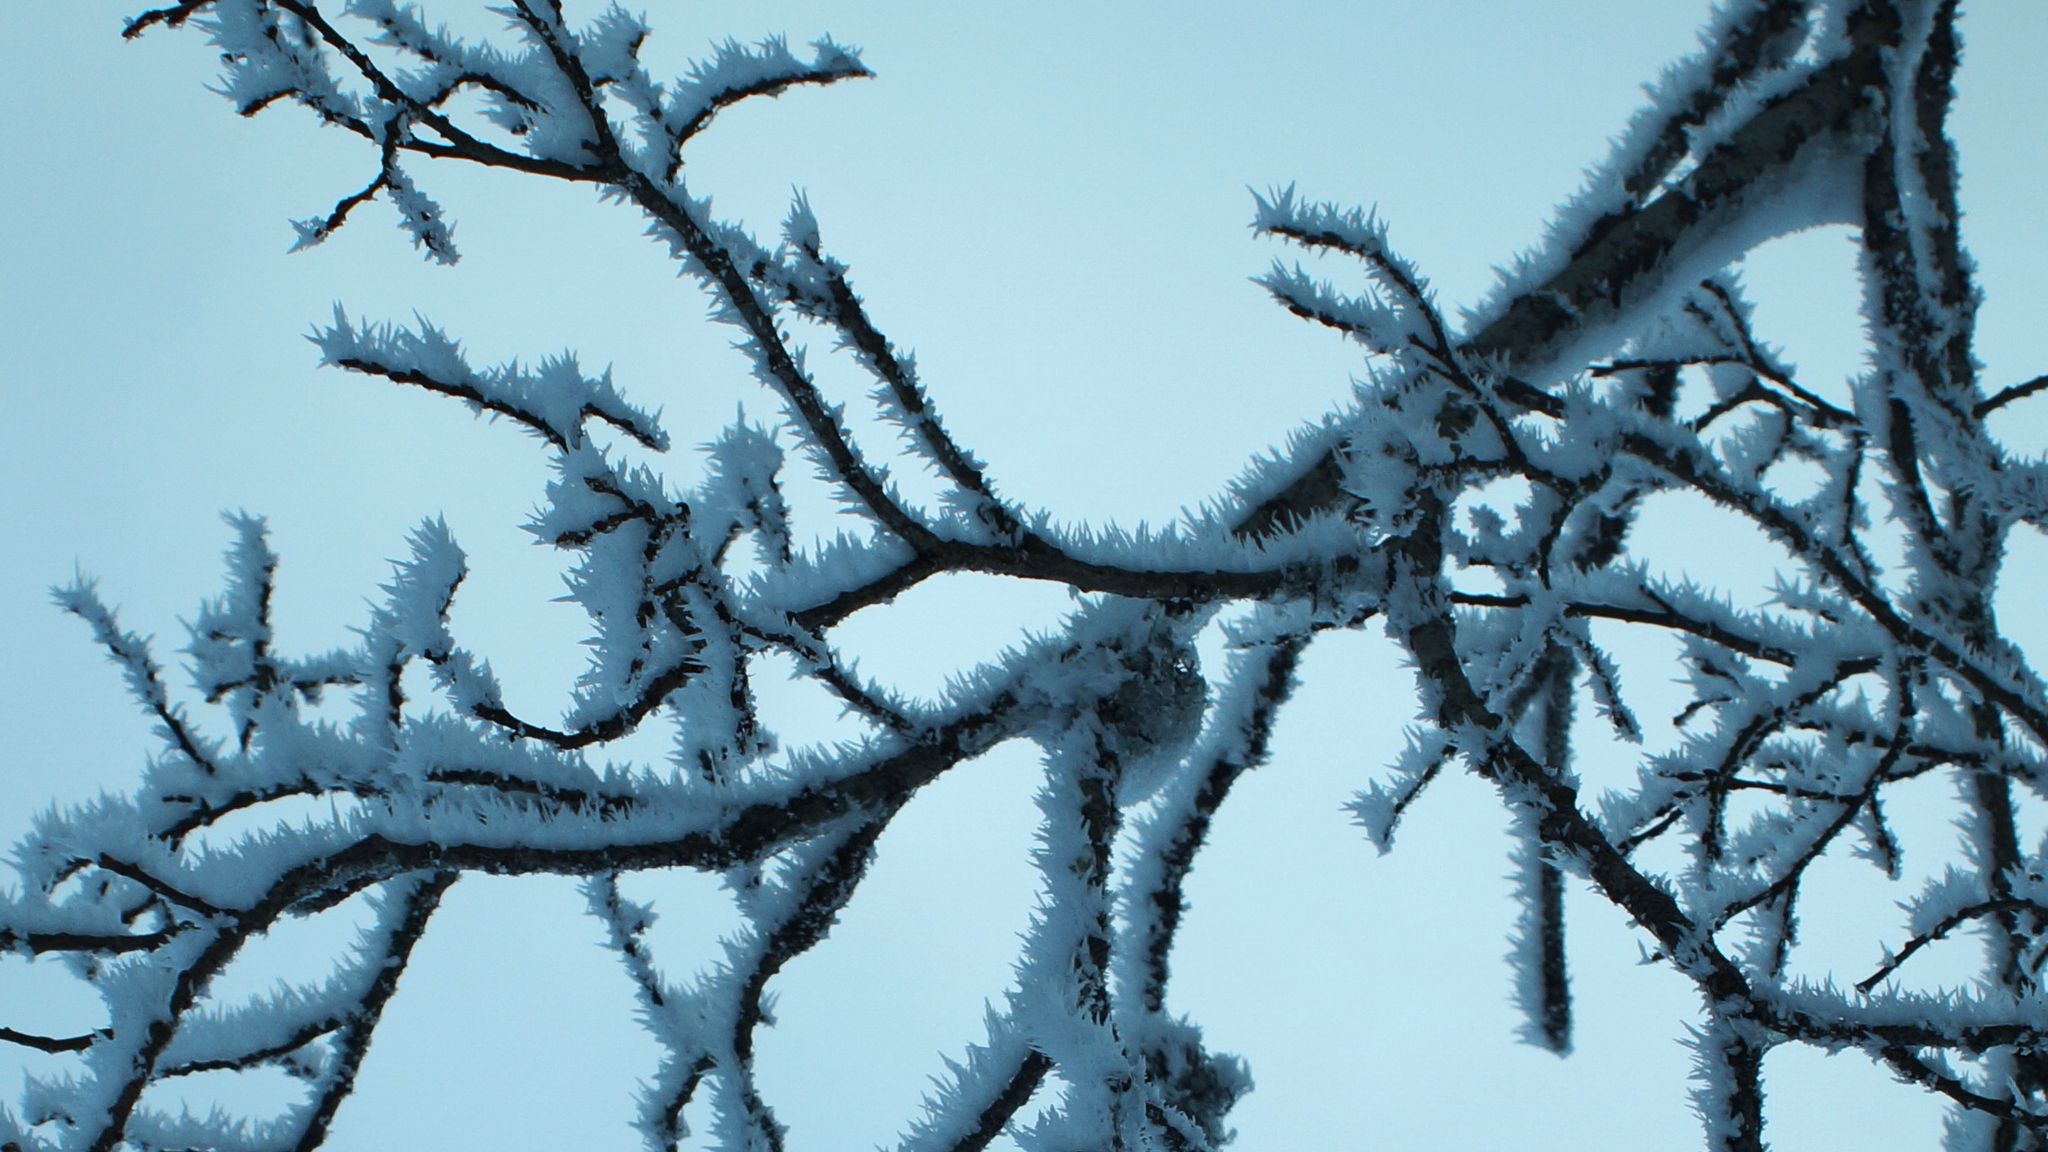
(1477,501)
(735,72)
(552,402)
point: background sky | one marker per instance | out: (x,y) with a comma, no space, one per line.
(1048,202)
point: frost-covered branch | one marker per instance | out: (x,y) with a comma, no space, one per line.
(1616,365)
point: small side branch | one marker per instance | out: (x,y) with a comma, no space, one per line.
(51,1044)
(2009,395)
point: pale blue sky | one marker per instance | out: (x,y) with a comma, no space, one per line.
(1049,203)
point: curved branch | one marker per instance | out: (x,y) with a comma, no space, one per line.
(51,1044)
(1943,927)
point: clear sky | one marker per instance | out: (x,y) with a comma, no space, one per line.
(1048,202)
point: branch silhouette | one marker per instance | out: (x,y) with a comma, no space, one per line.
(1616,365)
